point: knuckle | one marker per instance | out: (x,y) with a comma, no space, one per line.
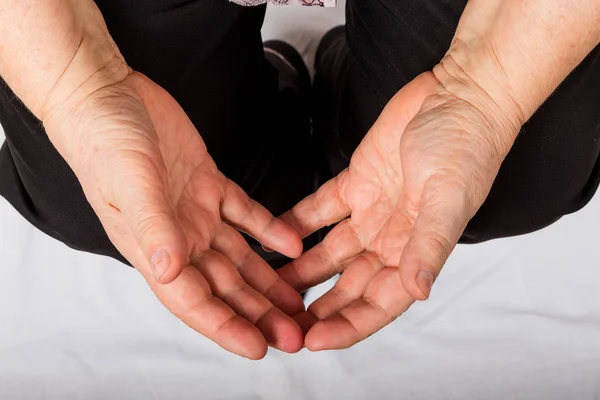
(345,291)
(438,245)
(150,224)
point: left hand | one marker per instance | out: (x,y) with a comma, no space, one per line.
(413,184)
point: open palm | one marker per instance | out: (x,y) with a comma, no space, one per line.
(415,181)
(165,206)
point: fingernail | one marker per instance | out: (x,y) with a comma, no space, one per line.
(425,281)
(268,250)
(160,262)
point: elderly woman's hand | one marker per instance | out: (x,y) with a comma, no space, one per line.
(146,172)
(166,207)
(413,184)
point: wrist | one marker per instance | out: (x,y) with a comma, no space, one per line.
(96,64)
(90,62)
(514,54)
(479,80)
(51,49)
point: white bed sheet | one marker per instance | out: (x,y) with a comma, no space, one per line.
(511,319)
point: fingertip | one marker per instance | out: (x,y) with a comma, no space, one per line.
(165,245)
(171,274)
(326,335)
(299,345)
(282,238)
(418,295)
(297,247)
(166,266)
(332,333)
(281,331)
(266,249)
(415,283)
(168,277)
(417,271)
(314,339)
(160,262)
(425,280)
(293,342)
(244,339)
(257,355)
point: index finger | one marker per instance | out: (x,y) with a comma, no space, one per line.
(383,302)
(323,208)
(251,217)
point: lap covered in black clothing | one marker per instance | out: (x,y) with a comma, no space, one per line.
(208,54)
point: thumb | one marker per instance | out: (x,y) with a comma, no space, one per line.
(437,229)
(153,222)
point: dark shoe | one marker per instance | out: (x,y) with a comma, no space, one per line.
(293,73)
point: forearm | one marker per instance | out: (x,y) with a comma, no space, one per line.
(52,49)
(510,55)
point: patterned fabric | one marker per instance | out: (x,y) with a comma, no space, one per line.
(318,3)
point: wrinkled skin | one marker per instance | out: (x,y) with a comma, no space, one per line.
(160,197)
(413,184)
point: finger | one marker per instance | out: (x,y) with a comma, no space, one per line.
(141,199)
(306,321)
(438,227)
(323,261)
(279,329)
(189,298)
(323,208)
(350,287)
(251,217)
(256,272)
(385,299)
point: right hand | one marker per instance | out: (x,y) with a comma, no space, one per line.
(166,207)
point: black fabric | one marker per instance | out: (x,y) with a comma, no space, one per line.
(208,54)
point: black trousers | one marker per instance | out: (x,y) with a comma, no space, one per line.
(208,54)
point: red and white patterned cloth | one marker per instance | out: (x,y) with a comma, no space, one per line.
(317,3)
